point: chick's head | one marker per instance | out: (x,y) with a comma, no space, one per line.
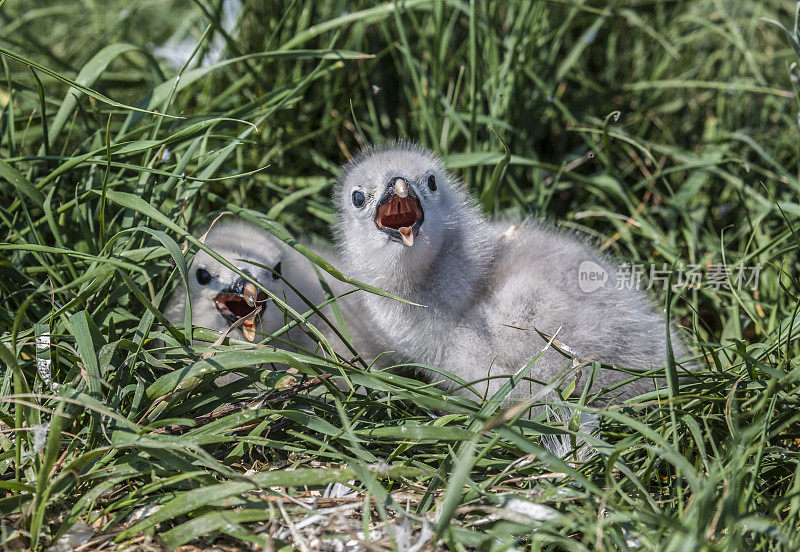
(220,296)
(396,207)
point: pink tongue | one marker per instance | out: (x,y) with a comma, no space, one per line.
(407,234)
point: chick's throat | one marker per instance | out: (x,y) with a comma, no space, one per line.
(248,304)
(400,215)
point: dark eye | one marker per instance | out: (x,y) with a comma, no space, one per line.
(358,199)
(203,277)
(432,183)
(276,271)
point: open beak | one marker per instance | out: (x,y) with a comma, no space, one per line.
(242,301)
(399,212)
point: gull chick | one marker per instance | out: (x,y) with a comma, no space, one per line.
(409,228)
(220,297)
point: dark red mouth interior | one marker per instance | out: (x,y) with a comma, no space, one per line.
(236,305)
(398,213)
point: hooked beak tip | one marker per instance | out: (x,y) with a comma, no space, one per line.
(400,188)
(250,294)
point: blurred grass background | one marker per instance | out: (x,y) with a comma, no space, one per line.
(666,129)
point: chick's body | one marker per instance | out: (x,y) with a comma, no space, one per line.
(488,286)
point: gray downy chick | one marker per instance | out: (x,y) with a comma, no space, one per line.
(220,297)
(408,227)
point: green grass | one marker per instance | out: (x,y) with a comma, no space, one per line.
(667,129)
